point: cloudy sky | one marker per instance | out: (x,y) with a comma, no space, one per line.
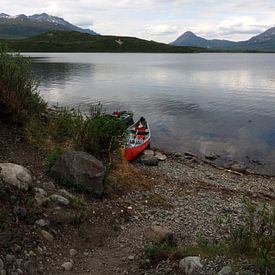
(160,20)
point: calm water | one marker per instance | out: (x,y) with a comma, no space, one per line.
(222,103)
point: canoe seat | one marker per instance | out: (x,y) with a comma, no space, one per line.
(140,136)
(140,128)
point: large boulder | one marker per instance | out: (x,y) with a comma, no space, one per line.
(82,169)
(15,175)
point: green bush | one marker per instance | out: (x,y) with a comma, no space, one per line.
(254,236)
(97,134)
(19,99)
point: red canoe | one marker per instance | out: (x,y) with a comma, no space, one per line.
(138,139)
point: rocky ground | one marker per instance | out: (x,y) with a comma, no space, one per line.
(49,230)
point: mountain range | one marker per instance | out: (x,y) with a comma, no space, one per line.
(22,26)
(262,42)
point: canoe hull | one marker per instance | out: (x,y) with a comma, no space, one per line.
(131,153)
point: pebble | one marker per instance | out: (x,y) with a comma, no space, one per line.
(59,199)
(47,236)
(73,252)
(131,257)
(10,258)
(1,264)
(30,267)
(42,222)
(67,266)
(40,191)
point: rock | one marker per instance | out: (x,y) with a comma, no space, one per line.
(149,160)
(30,267)
(16,175)
(131,257)
(226,270)
(82,169)
(17,248)
(239,167)
(148,153)
(59,199)
(157,234)
(47,236)
(67,266)
(10,258)
(73,252)
(189,154)
(65,193)
(42,222)
(40,191)
(20,212)
(160,156)
(49,185)
(190,264)
(40,199)
(1,265)
(211,156)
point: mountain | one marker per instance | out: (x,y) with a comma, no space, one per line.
(22,26)
(262,42)
(190,39)
(71,41)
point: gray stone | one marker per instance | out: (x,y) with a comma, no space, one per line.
(42,222)
(1,264)
(160,156)
(211,156)
(239,167)
(10,258)
(40,199)
(190,264)
(40,191)
(30,267)
(157,233)
(226,270)
(148,153)
(67,266)
(65,193)
(47,236)
(16,175)
(73,252)
(149,160)
(131,257)
(82,169)
(59,199)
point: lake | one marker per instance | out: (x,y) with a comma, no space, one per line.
(221,102)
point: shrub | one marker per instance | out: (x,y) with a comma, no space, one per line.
(156,252)
(97,134)
(19,99)
(254,235)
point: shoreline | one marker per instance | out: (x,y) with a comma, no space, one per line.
(184,195)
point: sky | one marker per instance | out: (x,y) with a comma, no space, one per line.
(159,20)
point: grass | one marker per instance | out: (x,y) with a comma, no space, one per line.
(252,239)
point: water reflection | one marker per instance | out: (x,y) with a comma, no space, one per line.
(222,103)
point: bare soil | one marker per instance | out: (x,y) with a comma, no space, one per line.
(185,195)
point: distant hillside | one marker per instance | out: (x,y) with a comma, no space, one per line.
(262,42)
(64,41)
(22,26)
